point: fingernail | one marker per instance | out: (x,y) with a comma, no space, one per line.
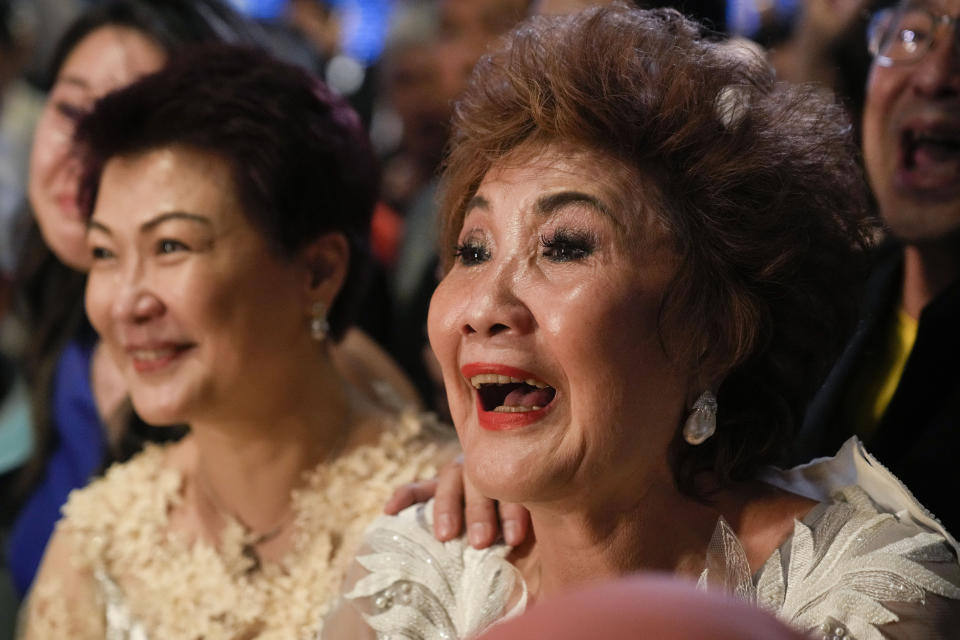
(445,525)
(479,533)
(511,532)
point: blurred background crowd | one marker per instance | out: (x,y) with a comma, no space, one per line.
(401,64)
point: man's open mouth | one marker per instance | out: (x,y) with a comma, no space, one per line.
(929,147)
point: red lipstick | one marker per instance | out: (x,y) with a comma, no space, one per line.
(496,420)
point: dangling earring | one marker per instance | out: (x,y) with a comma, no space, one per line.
(702,421)
(318,322)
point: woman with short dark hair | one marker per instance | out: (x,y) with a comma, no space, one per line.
(651,254)
(227,199)
(81,417)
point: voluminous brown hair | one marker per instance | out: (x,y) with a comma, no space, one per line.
(756,181)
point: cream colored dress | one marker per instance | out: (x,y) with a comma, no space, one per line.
(146,583)
(867,563)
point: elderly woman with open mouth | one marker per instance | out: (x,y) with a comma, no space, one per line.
(650,253)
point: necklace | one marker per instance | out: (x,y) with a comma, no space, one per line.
(251,539)
(183,583)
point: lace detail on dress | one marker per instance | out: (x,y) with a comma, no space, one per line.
(727,568)
(419,588)
(838,573)
(151,583)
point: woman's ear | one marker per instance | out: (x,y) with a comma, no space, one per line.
(325,262)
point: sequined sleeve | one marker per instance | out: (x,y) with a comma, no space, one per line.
(407,584)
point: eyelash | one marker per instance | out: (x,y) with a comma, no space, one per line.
(100,253)
(71,112)
(169,245)
(566,245)
(470,253)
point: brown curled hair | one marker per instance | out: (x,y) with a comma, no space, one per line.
(757,183)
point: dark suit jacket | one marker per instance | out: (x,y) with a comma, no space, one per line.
(918,438)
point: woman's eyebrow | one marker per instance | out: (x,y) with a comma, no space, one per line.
(548,204)
(151,224)
(75,81)
(476,202)
(99,226)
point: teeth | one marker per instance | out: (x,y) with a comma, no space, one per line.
(505,409)
(151,354)
(493,378)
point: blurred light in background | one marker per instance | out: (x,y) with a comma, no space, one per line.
(261,9)
(364,27)
(363,23)
(750,17)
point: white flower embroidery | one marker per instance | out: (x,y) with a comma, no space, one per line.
(421,588)
(839,574)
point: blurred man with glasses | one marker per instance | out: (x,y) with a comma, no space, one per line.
(897,385)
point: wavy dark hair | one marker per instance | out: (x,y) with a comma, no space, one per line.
(757,183)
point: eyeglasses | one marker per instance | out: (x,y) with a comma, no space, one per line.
(904,34)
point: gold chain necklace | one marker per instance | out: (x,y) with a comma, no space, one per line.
(251,539)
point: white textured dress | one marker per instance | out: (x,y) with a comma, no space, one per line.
(867,563)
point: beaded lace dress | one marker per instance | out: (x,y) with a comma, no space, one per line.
(867,563)
(145,582)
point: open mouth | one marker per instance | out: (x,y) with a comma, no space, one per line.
(155,358)
(924,148)
(505,394)
(930,162)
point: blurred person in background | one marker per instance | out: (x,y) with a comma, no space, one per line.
(897,384)
(410,80)
(316,20)
(16,116)
(824,43)
(19,106)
